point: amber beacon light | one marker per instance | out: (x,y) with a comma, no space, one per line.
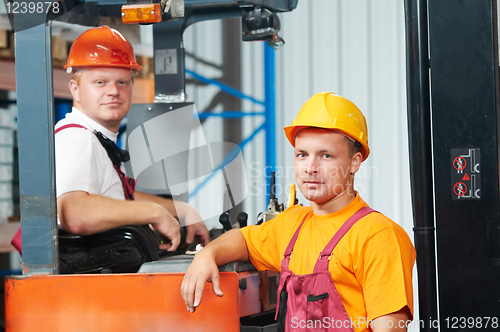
(143,13)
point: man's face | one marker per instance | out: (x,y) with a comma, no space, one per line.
(323,164)
(104,95)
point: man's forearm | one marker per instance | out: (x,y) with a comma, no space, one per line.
(168,204)
(185,213)
(229,247)
(84,214)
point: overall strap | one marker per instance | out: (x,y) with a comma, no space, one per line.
(285,273)
(289,249)
(71,125)
(325,255)
(128,184)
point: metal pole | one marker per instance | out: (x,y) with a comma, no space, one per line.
(270,104)
(231,75)
(35,106)
(420,146)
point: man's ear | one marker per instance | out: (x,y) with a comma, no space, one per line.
(74,89)
(356,162)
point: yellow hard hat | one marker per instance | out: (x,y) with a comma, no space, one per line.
(330,111)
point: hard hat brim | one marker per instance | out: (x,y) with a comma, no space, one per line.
(131,66)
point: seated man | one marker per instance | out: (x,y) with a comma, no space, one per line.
(93,194)
(351,267)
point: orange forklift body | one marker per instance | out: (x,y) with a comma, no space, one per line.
(116,302)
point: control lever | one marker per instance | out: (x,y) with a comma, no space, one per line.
(225,220)
(242,219)
(274,207)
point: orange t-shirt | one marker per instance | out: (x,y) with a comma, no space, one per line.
(371,266)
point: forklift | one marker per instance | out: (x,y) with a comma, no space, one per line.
(454,133)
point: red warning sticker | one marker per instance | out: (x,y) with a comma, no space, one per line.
(460,188)
(459,163)
(465,174)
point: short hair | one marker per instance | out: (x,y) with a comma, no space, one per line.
(353,146)
(77,76)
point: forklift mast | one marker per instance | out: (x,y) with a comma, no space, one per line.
(453,123)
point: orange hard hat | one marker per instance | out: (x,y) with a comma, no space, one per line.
(330,111)
(102,47)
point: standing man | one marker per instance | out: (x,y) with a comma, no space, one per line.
(93,194)
(351,268)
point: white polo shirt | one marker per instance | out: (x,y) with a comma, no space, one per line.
(82,164)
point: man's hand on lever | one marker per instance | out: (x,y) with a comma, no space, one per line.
(187,214)
(169,228)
